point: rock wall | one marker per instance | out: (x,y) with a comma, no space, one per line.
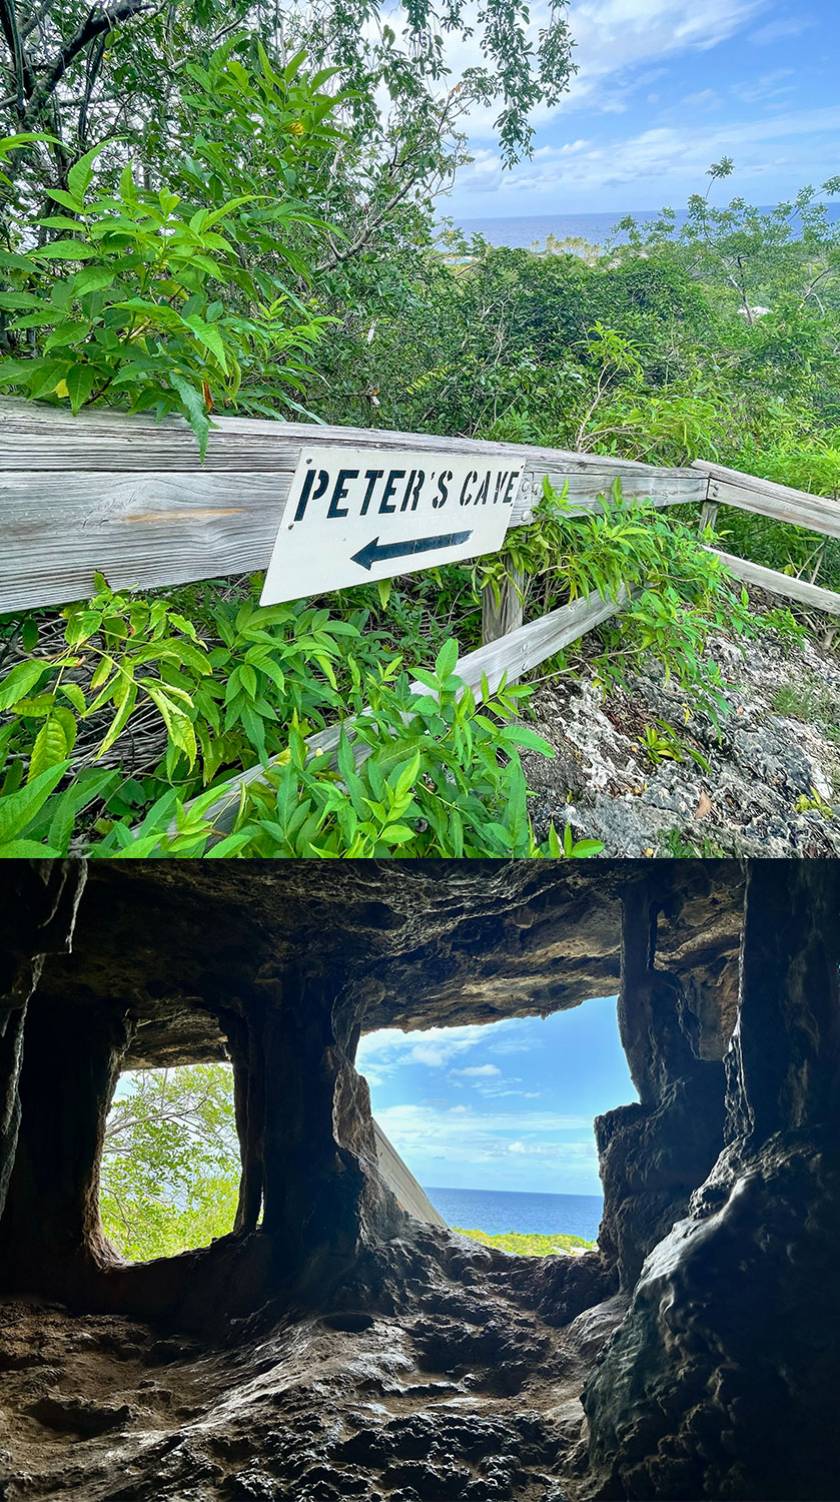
(37,918)
(722,1381)
(655,1153)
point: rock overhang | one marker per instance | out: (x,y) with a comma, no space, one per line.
(408,944)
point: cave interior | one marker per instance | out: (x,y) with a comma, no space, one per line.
(331,1346)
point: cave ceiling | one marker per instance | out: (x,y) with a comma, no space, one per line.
(413,944)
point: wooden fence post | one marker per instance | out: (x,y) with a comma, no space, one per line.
(708,515)
(503,613)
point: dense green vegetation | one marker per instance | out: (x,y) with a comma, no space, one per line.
(246,227)
(170,1162)
(522,1244)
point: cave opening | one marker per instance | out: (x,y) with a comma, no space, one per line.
(170,1166)
(489,1129)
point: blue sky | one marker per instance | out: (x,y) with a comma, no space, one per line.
(664,88)
(509,1105)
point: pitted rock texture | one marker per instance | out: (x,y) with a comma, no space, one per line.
(405,1405)
(680,1405)
(761,760)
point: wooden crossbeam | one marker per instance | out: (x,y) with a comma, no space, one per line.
(129,498)
(781,584)
(764,497)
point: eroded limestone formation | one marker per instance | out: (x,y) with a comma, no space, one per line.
(330,1346)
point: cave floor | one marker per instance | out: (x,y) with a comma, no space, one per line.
(469,1397)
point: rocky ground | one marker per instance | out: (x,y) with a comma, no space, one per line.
(765,781)
(468,1395)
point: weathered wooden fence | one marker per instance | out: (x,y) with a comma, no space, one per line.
(128,497)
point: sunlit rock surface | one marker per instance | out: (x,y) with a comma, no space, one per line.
(762,781)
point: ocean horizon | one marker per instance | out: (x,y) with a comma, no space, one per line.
(498,1211)
(520,231)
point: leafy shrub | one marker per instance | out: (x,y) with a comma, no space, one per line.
(427,773)
(679,592)
(149,303)
(529,1244)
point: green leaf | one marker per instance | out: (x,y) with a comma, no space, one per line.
(209,336)
(446,659)
(49,750)
(427,679)
(73,692)
(46,375)
(20,849)
(29,633)
(520,735)
(120,720)
(91,279)
(397,834)
(65,250)
(193,401)
(20,681)
(35,707)
(79,176)
(81,380)
(67,201)
(13,302)
(83,791)
(17,810)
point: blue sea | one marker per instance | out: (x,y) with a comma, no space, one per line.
(533,229)
(498,1211)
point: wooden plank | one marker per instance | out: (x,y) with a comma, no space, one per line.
(512,655)
(708,515)
(780,584)
(503,612)
(765,498)
(35,436)
(129,499)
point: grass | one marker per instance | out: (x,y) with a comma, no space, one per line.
(683,844)
(529,1245)
(809,701)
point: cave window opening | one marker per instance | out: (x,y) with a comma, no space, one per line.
(490,1126)
(170,1164)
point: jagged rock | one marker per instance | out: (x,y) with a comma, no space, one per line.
(754,765)
(78,1415)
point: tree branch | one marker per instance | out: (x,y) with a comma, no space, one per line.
(95,24)
(22,71)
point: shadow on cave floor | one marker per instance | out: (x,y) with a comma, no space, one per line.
(467,1392)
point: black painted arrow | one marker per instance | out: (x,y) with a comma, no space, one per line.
(376,552)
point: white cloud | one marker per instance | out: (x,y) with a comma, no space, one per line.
(419,1123)
(478,1071)
(515,1045)
(767,88)
(619,46)
(665,154)
(703,99)
(381,1052)
(432,1138)
(783,26)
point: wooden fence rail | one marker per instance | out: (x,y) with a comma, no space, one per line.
(129,498)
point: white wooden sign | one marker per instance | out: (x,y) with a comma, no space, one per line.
(355,515)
